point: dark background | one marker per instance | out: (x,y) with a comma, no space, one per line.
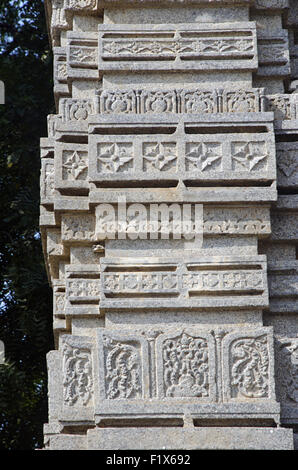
(25,296)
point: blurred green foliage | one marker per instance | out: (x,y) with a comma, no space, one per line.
(25,296)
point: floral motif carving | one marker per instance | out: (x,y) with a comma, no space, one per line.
(249,367)
(83,288)
(273,54)
(59,301)
(280,105)
(205,156)
(75,165)
(78,227)
(239,221)
(179,101)
(77,376)
(160,156)
(81,4)
(114,157)
(199,102)
(223,281)
(250,156)
(77,110)
(140,282)
(203,281)
(62,71)
(123,368)
(48,186)
(185,366)
(83,55)
(159,101)
(241,101)
(118,102)
(177,47)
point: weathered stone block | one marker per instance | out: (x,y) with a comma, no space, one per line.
(213,438)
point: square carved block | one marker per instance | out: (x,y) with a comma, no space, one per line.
(71,166)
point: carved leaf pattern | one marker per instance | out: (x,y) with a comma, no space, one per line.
(241,101)
(199,102)
(186,367)
(122,369)
(83,55)
(177,47)
(77,376)
(249,367)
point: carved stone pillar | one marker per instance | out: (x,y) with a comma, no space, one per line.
(168,236)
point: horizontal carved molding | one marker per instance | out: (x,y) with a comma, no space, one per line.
(181,47)
(210,283)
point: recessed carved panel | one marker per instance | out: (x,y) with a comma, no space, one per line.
(185,365)
(123,366)
(77,372)
(248,365)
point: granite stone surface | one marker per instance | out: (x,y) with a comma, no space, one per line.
(169,222)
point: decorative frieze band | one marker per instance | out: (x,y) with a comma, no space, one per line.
(181,47)
(186,368)
(178,101)
(133,283)
(86,228)
(189,153)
